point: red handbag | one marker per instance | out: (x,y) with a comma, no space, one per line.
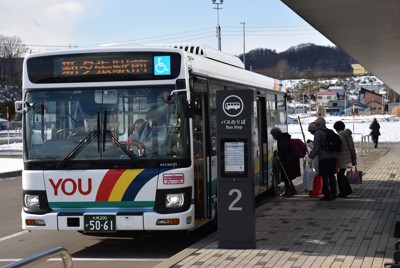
(317,187)
(354,176)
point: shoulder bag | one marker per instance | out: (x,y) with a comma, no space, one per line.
(354,176)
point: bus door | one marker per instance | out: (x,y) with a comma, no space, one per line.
(201,150)
(263,138)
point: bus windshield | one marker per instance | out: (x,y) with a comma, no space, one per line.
(104,124)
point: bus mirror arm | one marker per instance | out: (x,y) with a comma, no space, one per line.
(168,97)
(177,90)
(188,106)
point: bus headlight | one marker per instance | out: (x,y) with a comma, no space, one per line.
(174,200)
(31,202)
(35,202)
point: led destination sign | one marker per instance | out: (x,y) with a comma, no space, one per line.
(103,67)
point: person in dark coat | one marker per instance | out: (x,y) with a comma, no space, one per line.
(290,168)
(327,161)
(375,133)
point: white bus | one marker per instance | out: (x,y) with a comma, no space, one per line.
(124,139)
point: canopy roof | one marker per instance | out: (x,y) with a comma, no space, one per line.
(367,30)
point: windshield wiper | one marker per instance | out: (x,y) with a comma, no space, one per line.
(92,135)
(82,144)
(114,140)
(122,147)
(101,142)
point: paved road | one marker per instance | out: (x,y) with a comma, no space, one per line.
(86,251)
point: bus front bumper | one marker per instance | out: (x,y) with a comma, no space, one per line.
(147,221)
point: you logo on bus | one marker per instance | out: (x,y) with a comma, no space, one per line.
(232,106)
(69,186)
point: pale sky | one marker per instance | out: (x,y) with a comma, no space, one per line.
(50,24)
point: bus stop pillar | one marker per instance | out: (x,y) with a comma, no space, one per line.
(235,184)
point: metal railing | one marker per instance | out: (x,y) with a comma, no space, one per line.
(366,144)
(44,256)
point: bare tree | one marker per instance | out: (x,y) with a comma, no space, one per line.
(11,49)
(2,57)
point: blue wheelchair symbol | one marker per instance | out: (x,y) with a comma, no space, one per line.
(162,65)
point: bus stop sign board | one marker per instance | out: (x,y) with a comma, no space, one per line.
(236,205)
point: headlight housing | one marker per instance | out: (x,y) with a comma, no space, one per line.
(35,202)
(173,200)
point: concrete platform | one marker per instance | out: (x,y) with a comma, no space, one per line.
(305,232)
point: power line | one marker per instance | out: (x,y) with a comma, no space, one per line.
(269,34)
(203,33)
(60,46)
(160,38)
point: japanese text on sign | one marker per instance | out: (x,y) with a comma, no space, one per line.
(234,156)
(234,123)
(111,66)
(87,67)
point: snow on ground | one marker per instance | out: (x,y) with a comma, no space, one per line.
(8,144)
(10,164)
(390,132)
(359,125)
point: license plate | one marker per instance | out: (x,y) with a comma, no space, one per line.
(99,223)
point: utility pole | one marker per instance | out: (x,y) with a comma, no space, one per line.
(244,43)
(218,2)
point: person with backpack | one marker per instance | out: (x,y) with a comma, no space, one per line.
(327,159)
(345,158)
(288,162)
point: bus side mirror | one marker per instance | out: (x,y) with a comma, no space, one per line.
(167,98)
(19,106)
